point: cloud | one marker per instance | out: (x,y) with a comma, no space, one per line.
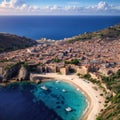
(101,6)
(104,8)
(11,4)
(14,7)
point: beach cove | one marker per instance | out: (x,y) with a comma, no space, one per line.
(95,100)
(17,93)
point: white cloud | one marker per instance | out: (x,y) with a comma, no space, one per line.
(73,8)
(102,6)
(14,7)
(20,7)
(11,4)
(53,7)
(17,3)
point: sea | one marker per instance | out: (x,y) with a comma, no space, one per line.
(28,101)
(54,27)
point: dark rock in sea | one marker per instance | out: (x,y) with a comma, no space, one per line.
(58,107)
(62,102)
(57,102)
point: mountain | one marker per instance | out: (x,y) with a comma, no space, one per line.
(10,42)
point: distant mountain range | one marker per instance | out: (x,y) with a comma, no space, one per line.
(10,42)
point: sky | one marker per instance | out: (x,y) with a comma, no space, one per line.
(60,7)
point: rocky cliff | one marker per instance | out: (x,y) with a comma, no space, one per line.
(18,71)
(10,72)
(23,74)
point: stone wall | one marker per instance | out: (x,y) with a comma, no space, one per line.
(64,70)
(48,69)
(1,70)
(82,70)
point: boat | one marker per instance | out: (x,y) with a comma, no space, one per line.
(57,81)
(68,109)
(77,89)
(63,90)
(44,88)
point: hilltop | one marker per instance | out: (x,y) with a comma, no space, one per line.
(9,42)
(109,33)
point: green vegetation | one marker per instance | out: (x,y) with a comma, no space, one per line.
(74,61)
(112,82)
(78,74)
(9,42)
(87,76)
(110,33)
(99,118)
(112,112)
(94,81)
(56,60)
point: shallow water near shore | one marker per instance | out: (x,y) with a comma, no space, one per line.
(27,101)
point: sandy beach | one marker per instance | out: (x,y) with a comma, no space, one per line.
(95,101)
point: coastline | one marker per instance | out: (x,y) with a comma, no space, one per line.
(93,98)
(95,101)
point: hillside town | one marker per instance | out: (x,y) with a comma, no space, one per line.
(96,56)
(90,61)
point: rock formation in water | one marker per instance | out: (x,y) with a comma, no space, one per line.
(23,74)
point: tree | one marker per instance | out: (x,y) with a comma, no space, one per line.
(99,118)
(87,76)
(56,60)
(74,61)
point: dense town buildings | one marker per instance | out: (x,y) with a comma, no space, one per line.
(96,56)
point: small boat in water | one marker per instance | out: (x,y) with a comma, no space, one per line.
(63,90)
(78,89)
(57,81)
(68,109)
(44,88)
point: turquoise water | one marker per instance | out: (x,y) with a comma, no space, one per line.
(58,100)
(27,101)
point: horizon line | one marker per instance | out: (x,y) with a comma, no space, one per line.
(62,15)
